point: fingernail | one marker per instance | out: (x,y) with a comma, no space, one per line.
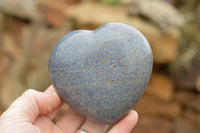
(135,113)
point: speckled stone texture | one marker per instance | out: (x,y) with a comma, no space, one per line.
(102,73)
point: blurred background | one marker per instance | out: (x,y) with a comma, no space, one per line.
(29,29)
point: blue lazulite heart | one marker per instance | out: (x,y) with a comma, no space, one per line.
(102,73)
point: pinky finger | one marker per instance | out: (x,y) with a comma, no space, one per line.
(126,124)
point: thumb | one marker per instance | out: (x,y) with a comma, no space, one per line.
(32,103)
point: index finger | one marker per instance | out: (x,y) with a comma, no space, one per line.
(32,103)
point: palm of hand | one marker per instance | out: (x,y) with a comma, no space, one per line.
(33,113)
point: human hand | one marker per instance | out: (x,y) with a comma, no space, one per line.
(33,112)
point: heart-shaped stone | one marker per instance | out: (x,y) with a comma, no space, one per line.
(102,73)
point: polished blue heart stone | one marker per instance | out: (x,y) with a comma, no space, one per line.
(102,74)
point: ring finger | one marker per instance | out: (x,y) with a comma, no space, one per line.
(70,121)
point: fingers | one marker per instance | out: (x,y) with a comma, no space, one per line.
(44,125)
(33,103)
(51,89)
(70,121)
(52,115)
(93,127)
(126,124)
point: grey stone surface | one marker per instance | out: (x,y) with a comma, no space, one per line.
(102,73)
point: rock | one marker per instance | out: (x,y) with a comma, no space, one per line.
(1,25)
(9,46)
(102,73)
(38,75)
(149,124)
(160,86)
(164,46)
(189,99)
(190,115)
(186,75)
(5,61)
(197,83)
(1,111)
(10,91)
(20,8)
(14,27)
(28,67)
(111,2)
(1,17)
(54,12)
(160,12)
(184,126)
(149,105)
(126,2)
(11,86)
(74,1)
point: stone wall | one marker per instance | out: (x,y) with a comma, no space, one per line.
(171,102)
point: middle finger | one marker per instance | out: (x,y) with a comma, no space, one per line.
(70,121)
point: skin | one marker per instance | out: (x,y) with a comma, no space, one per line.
(34,111)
